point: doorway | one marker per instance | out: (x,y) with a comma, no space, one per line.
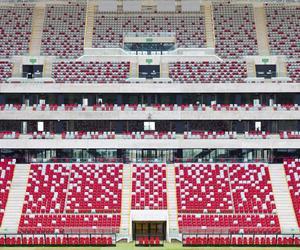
(149,228)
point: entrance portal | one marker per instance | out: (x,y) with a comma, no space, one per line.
(149,228)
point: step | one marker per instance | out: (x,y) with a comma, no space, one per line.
(261,29)
(37,30)
(14,206)
(284,205)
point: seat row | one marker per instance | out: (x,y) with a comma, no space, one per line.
(63,240)
(241,240)
(148,241)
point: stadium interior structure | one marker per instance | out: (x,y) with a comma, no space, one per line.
(149,121)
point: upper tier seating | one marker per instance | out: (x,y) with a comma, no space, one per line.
(283,29)
(6,175)
(91,72)
(229,223)
(292,170)
(149,186)
(60,223)
(293,69)
(109,28)
(94,188)
(15,29)
(215,188)
(5,70)
(63,32)
(234,30)
(208,72)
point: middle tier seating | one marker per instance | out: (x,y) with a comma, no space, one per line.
(90,72)
(149,186)
(208,72)
(63,197)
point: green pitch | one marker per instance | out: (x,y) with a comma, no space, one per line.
(130,246)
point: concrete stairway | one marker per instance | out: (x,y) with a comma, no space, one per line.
(164,70)
(172,203)
(209,25)
(126,204)
(282,68)
(89,25)
(251,72)
(261,29)
(13,210)
(17,66)
(37,30)
(285,210)
(133,70)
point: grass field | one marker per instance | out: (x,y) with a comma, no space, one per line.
(125,246)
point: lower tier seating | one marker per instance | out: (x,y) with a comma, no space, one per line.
(149,186)
(6,175)
(66,223)
(292,170)
(229,223)
(224,188)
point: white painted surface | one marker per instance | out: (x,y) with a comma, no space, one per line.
(284,205)
(14,206)
(151,143)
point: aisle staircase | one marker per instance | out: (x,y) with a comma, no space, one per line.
(172,203)
(89,25)
(37,30)
(284,205)
(261,29)
(13,210)
(209,25)
(126,204)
